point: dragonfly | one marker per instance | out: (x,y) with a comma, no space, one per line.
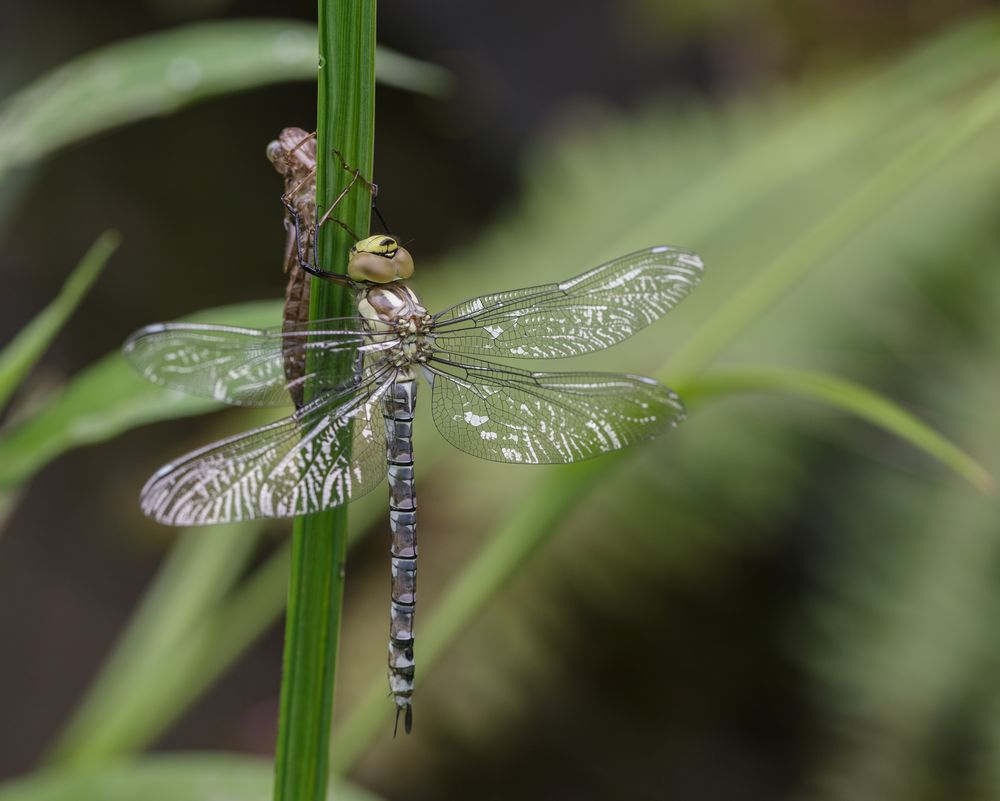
(350,433)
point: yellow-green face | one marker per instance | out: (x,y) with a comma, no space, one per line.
(379,259)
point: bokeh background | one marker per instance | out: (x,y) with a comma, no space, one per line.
(775,601)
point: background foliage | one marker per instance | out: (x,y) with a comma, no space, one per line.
(777,600)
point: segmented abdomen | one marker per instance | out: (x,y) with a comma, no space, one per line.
(398,410)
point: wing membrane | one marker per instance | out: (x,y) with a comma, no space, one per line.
(294,466)
(243,366)
(508,415)
(590,312)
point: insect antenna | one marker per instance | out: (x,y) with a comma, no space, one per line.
(381,219)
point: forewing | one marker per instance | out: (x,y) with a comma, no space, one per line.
(508,415)
(592,311)
(243,366)
(294,466)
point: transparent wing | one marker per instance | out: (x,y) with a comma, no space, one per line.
(509,415)
(291,467)
(592,311)
(243,366)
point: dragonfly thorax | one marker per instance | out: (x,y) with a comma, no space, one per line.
(395,310)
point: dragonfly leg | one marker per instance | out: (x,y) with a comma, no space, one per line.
(336,202)
(369,185)
(303,140)
(312,267)
(356,176)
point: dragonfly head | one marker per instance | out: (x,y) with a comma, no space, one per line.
(379,259)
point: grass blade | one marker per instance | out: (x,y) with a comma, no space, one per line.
(158,74)
(28,346)
(201,777)
(345,122)
(848,396)
(870,200)
(116,714)
(191,649)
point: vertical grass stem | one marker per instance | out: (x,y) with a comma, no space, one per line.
(345,123)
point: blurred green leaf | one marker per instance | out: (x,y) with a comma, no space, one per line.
(120,708)
(404,72)
(205,777)
(187,632)
(160,73)
(20,355)
(9,500)
(872,198)
(902,649)
(106,399)
(846,395)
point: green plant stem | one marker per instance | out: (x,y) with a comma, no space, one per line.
(345,122)
(847,396)
(20,356)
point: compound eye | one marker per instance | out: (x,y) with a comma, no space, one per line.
(403,263)
(367,266)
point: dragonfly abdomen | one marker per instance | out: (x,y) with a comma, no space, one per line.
(398,410)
